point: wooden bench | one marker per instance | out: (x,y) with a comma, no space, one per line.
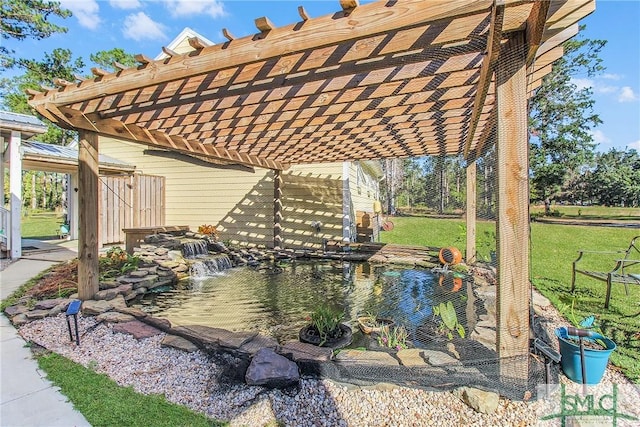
(618,274)
(134,236)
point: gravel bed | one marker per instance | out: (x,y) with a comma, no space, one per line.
(198,381)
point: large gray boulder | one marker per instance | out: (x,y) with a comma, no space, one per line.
(271,370)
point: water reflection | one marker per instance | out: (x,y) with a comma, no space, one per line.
(276,302)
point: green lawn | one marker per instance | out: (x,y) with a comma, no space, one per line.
(593,212)
(553,249)
(41,225)
(104,403)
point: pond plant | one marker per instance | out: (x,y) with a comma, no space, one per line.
(326,323)
(394,338)
(449,320)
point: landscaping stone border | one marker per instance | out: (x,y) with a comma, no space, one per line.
(162,264)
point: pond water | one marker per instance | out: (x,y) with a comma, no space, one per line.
(277,301)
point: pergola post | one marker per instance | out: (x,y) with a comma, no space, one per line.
(346,203)
(15,190)
(72,205)
(513,293)
(471,213)
(277,209)
(88,215)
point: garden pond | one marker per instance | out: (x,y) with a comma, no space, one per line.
(277,299)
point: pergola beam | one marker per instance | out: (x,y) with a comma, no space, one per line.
(535,28)
(486,71)
(117,129)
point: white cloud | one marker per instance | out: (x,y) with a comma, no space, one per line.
(610,76)
(213,8)
(125,4)
(627,95)
(85,11)
(599,137)
(138,26)
(634,145)
(582,83)
(605,89)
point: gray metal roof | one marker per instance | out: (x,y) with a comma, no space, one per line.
(28,125)
(58,153)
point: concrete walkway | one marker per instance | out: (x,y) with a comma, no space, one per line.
(27,398)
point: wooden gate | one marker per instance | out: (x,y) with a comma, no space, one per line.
(130,201)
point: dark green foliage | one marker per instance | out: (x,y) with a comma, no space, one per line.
(106,58)
(615,181)
(57,64)
(20,19)
(117,262)
(561,117)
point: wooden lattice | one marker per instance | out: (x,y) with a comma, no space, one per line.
(387,79)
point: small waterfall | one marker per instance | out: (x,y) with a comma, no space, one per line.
(212,266)
(193,248)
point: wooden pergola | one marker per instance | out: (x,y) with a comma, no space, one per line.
(389,79)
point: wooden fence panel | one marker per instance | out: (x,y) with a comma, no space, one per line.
(129,201)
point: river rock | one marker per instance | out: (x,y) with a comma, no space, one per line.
(108,284)
(181,268)
(256,343)
(136,328)
(139,273)
(36,314)
(19,319)
(179,343)
(14,310)
(48,304)
(118,302)
(302,352)
(135,312)
(124,289)
(411,357)
(482,401)
(366,357)
(107,294)
(271,370)
(93,307)
(157,322)
(114,317)
(438,358)
(161,251)
(60,308)
(485,336)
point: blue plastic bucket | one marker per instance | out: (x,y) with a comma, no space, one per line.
(595,360)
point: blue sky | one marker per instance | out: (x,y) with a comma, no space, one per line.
(144,26)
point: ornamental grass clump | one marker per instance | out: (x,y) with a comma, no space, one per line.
(327,321)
